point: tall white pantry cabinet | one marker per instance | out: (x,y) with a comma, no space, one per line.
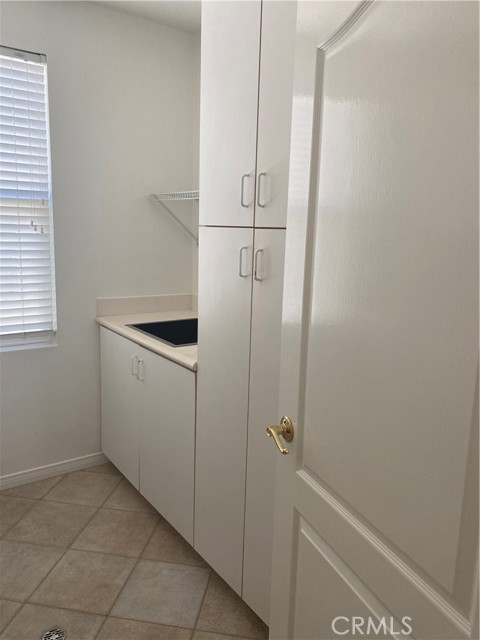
(246,79)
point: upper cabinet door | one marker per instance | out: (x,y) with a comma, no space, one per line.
(228,112)
(274,112)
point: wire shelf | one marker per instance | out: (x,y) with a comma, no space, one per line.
(158,198)
(177,195)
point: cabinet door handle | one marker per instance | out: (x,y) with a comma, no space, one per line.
(240,263)
(259,190)
(134,360)
(242,191)
(255,268)
(141,371)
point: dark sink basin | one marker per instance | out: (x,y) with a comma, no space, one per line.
(176,333)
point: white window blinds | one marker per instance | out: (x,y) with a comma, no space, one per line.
(27,281)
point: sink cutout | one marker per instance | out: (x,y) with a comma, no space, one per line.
(176,333)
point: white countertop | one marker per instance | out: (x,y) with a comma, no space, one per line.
(184,356)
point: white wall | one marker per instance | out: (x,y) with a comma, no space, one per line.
(122,126)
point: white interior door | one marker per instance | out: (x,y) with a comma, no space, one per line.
(228,112)
(376,506)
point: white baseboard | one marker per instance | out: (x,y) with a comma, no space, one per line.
(50,470)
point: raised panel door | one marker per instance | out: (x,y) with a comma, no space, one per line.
(378,499)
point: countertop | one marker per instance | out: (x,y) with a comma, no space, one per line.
(184,356)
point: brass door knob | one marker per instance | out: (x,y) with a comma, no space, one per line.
(285,430)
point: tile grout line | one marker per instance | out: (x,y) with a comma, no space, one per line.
(18,613)
(3,492)
(44,498)
(21,517)
(155,624)
(51,606)
(138,559)
(202,603)
(60,558)
(66,548)
(4,626)
(223,633)
(107,615)
(11,600)
(82,504)
(36,544)
(99,615)
(110,553)
(161,624)
(107,553)
(75,504)
(28,599)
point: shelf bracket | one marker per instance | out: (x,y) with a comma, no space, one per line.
(158,200)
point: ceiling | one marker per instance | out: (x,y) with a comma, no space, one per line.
(179,14)
(186,14)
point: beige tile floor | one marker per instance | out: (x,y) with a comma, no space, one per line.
(86,553)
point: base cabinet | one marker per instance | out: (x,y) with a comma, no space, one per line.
(148,426)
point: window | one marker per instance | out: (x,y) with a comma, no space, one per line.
(27,278)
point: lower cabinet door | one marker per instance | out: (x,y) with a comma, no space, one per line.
(166,413)
(119,396)
(269,248)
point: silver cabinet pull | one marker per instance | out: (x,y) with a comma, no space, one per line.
(134,360)
(255,268)
(141,371)
(242,191)
(259,189)
(240,263)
